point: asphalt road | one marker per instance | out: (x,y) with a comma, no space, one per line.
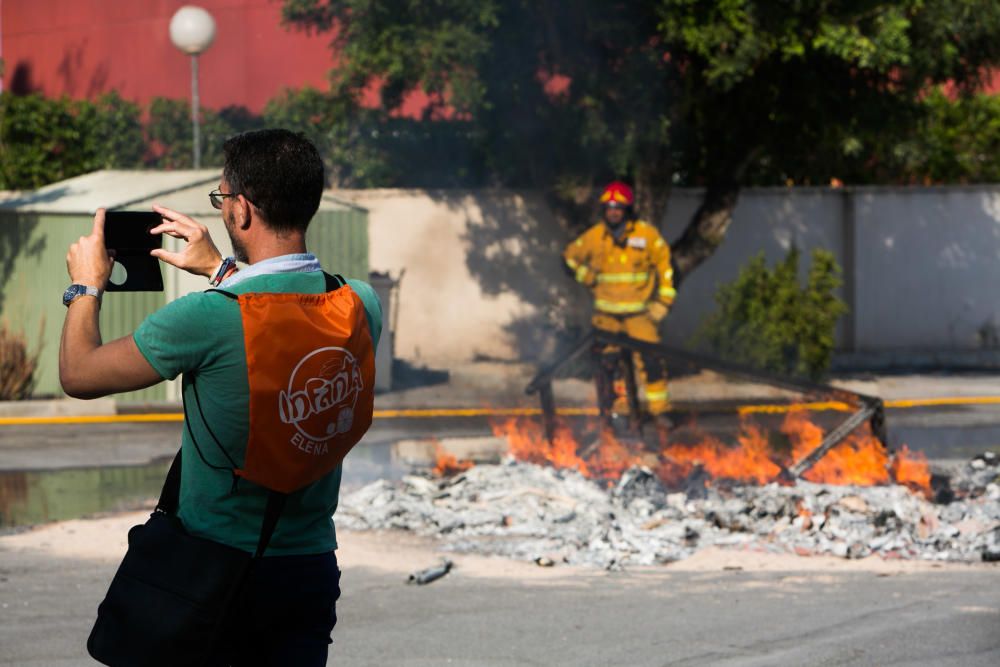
(728,618)
(525,615)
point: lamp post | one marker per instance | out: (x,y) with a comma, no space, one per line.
(192,30)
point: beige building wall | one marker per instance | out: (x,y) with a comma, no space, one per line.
(480,270)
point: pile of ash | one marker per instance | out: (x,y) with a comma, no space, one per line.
(538,513)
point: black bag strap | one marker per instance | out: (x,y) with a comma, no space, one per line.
(170,500)
(171,492)
(275,505)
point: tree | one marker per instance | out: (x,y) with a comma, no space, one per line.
(336,126)
(44,140)
(766,318)
(170,136)
(717,93)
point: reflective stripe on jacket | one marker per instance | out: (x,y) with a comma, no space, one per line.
(624,276)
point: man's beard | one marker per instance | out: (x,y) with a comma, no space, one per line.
(616,229)
(239,250)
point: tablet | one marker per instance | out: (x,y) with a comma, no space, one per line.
(127,233)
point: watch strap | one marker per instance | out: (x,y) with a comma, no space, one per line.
(84,290)
(225,268)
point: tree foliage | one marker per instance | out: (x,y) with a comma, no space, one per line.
(766,318)
(44,140)
(956,141)
(720,93)
(171,139)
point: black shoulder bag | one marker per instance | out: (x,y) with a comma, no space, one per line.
(170,599)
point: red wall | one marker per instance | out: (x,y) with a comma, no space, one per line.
(82,48)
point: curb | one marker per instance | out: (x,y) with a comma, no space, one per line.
(60,407)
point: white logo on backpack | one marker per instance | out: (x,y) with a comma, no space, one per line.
(319,401)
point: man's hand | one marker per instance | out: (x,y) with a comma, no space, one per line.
(88,261)
(657,310)
(199,256)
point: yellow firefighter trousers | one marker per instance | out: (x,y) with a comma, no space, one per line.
(642,327)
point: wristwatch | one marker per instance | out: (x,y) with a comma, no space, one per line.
(227,266)
(74,292)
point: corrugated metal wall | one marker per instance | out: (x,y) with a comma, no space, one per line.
(32,279)
(339,238)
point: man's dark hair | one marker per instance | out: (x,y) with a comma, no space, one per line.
(280,171)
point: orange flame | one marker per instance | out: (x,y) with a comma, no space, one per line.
(528,443)
(860,459)
(748,463)
(911,469)
(447,464)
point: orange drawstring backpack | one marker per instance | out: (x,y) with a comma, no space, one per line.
(311,370)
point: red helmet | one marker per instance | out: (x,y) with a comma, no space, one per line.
(617,194)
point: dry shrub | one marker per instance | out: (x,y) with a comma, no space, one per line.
(18,366)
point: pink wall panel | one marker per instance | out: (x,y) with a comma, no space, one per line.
(83,48)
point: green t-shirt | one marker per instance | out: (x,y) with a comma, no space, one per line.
(201,336)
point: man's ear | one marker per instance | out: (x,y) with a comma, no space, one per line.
(245,213)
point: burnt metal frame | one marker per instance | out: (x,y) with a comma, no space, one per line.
(867,408)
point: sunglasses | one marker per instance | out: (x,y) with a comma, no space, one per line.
(216,197)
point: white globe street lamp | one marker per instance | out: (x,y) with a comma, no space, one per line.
(192,30)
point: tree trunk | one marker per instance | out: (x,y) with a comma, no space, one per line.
(652,186)
(706,230)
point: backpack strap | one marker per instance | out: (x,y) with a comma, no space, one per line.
(334,282)
(187,424)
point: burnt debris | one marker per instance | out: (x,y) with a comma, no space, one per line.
(541,514)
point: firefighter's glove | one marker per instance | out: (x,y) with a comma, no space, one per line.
(585,275)
(657,310)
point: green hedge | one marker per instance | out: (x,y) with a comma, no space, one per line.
(768,319)
(44,140)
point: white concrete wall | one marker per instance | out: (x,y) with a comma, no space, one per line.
(928,268)
(483,276)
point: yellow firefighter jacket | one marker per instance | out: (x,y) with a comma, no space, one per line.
(625,274)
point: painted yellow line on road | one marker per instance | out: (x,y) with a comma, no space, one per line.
(782,408)
(431,413)
(897,404)
(93,419)
(941,401)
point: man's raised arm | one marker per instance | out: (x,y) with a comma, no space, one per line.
(87,367)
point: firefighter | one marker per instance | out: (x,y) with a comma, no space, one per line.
(626,264)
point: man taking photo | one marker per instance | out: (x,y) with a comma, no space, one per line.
(270,189)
